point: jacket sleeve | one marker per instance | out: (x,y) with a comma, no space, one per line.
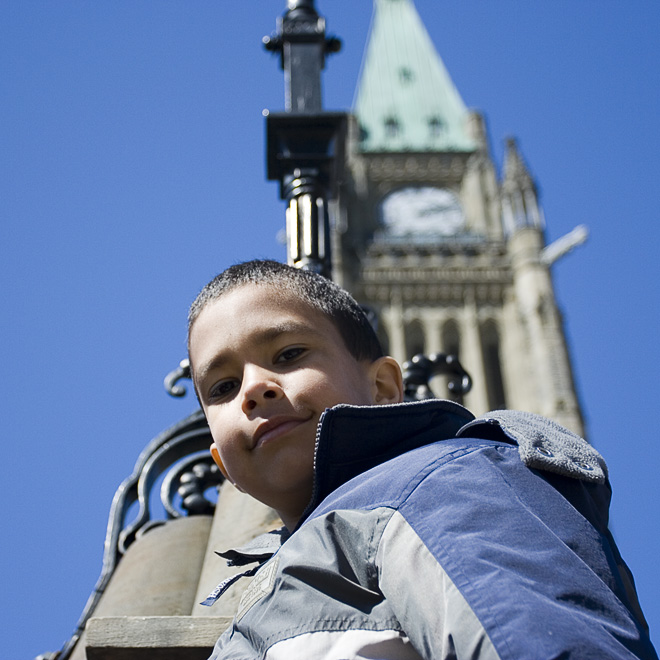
(486,558)
(318,598)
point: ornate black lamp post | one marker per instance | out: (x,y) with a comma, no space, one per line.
(305,144)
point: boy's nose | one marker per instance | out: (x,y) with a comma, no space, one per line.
(258,387)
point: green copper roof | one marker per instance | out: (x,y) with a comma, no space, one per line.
(405,100)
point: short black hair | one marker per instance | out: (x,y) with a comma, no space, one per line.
(312,289)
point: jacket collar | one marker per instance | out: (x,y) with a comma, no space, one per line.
(542,444)
(353,439)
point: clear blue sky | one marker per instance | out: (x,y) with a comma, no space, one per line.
(132,163)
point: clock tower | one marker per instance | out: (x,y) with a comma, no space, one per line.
(451,257)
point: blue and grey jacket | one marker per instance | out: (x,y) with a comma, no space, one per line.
(432,534)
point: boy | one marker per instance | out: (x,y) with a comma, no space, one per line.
(415,531)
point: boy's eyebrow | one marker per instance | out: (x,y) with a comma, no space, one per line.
(259,336)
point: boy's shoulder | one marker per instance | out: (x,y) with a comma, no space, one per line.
(353,439)
(378,457)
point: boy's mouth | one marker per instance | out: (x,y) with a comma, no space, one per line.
(275,427)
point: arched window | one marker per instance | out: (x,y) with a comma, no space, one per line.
(392,127)
(451,345)
(436,127)
(490,347)
(451,340)
(414,339)
(406,75)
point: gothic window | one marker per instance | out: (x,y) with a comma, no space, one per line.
(414,339)
(406,75)
(436,127)
(392,127)
(451,341)
(451,345)
(490,346)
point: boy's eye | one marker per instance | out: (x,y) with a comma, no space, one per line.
(289,354)
(222,389)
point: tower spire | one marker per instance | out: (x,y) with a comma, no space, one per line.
(405,99)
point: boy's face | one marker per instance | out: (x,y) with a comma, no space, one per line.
(266,366)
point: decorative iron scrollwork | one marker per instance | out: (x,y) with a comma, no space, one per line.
(418,372)
(171,380)
(180,455)
(190,479)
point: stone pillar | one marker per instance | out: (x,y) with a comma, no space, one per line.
(157,576)
(393,316)
(159,573)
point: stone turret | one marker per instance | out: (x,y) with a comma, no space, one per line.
(520,207)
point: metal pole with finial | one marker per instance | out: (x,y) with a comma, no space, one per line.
(305,144)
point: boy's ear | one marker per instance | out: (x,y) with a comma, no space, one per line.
(221,465)
(387,382)
(218,461)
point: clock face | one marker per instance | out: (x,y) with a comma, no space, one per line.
(424,211)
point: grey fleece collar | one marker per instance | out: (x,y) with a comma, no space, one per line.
(545,445)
